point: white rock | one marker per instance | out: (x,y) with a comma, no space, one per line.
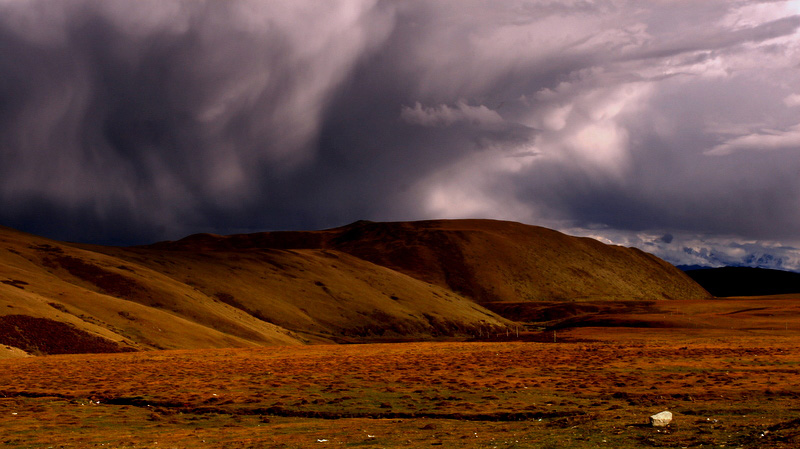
(661,419)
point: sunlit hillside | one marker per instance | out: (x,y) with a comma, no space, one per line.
(363,282)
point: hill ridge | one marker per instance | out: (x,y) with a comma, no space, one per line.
(366,281)
(437,251)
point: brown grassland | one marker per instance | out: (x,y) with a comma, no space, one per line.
(727,370)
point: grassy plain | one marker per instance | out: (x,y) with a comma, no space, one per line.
(731,385)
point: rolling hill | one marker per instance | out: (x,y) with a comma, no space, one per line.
(362,282)
(485,260)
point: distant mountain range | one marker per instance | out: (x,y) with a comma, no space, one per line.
(362,282)
(755,256)
(745,281)
(685,268)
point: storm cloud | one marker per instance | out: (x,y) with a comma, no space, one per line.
(135,121)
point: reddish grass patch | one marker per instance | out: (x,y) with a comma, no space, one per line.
(44,336)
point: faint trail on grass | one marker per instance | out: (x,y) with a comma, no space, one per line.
(178,407)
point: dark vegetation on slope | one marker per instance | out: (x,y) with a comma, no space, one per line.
(44,336)
(745,281)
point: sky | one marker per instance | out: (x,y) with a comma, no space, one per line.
(668,125)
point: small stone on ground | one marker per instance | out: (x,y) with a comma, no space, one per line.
(661,419)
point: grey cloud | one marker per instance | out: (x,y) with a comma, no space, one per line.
(142,120)
(708,40)
(769,139)
(444,115)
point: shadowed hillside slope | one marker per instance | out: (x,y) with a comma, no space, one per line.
(486,260)
(746,281)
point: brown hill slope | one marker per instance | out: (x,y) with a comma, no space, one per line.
(45,284)
(323,294)
(362,282)
(152,298)
(486,260)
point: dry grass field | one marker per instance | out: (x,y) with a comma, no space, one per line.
(731,385)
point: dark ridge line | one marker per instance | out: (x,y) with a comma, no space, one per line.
(32,394)
(286,413)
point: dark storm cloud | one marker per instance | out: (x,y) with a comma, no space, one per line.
(130,121)
(173,112)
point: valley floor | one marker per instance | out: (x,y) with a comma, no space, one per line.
(725,388)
